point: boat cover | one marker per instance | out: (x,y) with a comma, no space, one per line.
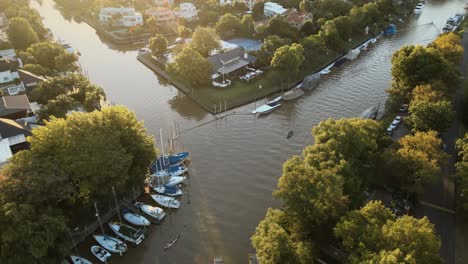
(353,54)
(310,82)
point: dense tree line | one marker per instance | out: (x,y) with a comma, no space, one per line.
(72,163)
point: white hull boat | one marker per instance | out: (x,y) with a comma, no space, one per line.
(171,243)
(79,260)
(135,219)
(268,107)
(100,253)
(327,69)
(154,212)
(166,201)
(419,9)
(167,180)
(111,244)
(169,191)
(173,171)
(295,92)
(127,232)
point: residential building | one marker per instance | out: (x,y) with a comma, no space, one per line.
(9,77)
(297,18)
(272,9)
(187,11)
(15,107)
(230,61)
(161,14)
(164,2)
(13,136)
(120,16)
(29,80)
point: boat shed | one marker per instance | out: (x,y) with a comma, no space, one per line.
(230,61)
(310,82)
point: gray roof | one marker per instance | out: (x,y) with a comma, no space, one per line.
(231,60)
(10,128)
(29,79)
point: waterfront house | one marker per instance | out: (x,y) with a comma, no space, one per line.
(297,18)
(272,9)
(187,11)
(230,62)
(3,20)
(13,136)
(161,14)
(163,2)
(120,16)
(15,107)
(29,80)
(10,81)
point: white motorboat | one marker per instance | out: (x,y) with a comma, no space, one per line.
(168,190)
(172,171)
(155,212)
(144,51)
(373,40)
(268,107)
(419,8)
(79,260)
(158,180)
(294,93)
(111,244)
(166,201)
(327,69)
(135,219)
(127,232)
(100,253)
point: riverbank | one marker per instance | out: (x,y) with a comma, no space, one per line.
(241,93)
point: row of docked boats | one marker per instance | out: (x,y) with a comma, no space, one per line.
(169,171)
(310,82)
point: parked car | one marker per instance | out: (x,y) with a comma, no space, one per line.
(404,108)
(390,130)
(396,121)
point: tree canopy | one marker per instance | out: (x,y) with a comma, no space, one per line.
(20,33)
(288,58)
(449,45)
(373,233)
(71,164)
(191,67)
(158,44)
(462,174)
(204,40)
(228,25)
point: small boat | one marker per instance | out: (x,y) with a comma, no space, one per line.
(168,190)
(290,134)
(163,162)
(370,113)
(127,232)
(363,47)
(373,40)
(79,260)
(218,260)
(419,8)
(111,244)
(155,212)
(144,51)
(100,253)
(172,242)
(294,93)
(327,69)
(135,219)
(166,201)
(159,179)
(268,107)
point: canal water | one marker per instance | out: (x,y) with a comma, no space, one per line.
(237,161)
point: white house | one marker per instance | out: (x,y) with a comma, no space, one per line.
(164,2)
(161,14)
(187,11)
(273,9)
(12,138)
(120,16)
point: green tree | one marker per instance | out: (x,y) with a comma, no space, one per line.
(204,40)
(308,28)
(228,25)
(20,33)
(462,174)
(429,110)
(184,32)
(5,45)
(311,196)
(65,62)
(271,240)
(449,45)
(288,58)
(278,26)
(36,69)
(57,107)
(417,161)
(344,27)
(374,234)
(314,48)
(257,10)
(51,56)
(158,45)
(191,67)
(416,65)
(248,25)
(332,37)
(271,44)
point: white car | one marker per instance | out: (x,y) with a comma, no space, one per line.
(396,121)
(390,130)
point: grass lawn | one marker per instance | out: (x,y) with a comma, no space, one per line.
(272,82)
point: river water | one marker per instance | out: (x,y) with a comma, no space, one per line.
(237,161)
